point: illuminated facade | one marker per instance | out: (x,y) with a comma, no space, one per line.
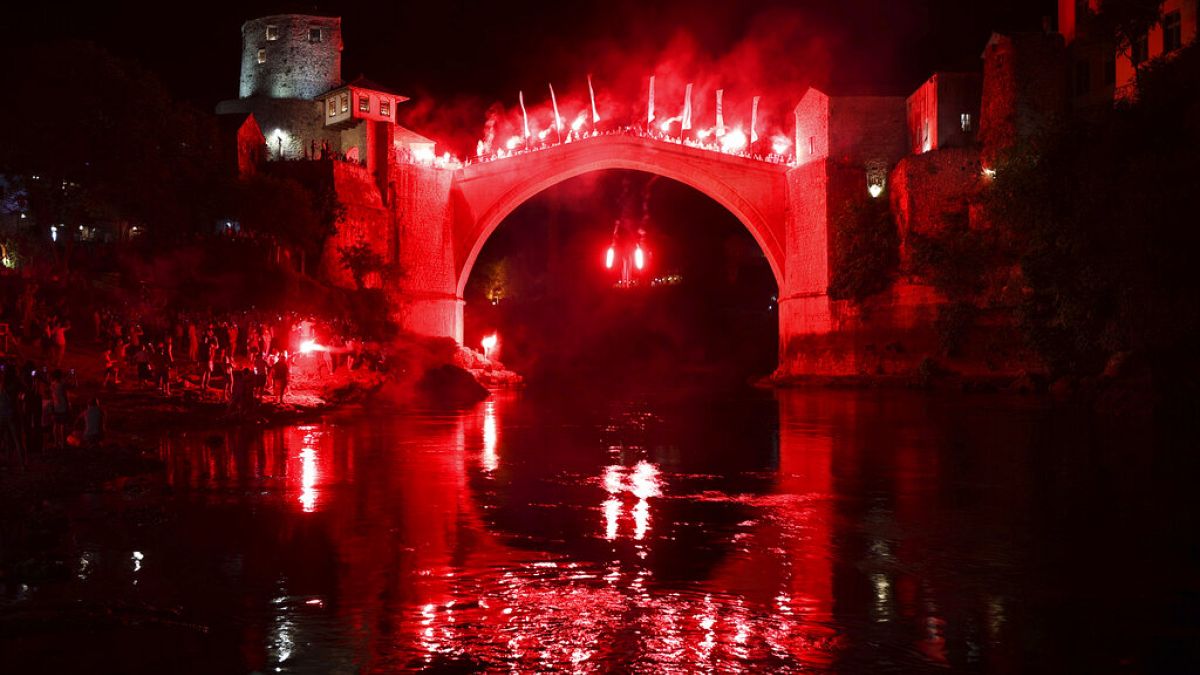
(430,215)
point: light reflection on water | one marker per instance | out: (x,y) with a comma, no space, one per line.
(812,531)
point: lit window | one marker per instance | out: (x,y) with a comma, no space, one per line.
(314,34)
(385,107)
(364,104)
(272,33)
(1139,51)
(966,122)
(345,102)
(262,56)
(1172,32)
(333,107)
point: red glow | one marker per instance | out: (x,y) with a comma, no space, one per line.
(309,346)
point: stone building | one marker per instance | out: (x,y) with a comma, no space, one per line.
(1099,71)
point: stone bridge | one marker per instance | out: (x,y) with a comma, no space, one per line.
(444,218)
(434,221)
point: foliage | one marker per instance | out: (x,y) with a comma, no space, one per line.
(361,260)
(283,210)
(494,279)
(956,260)
(1128,20)
(1105,215)
(866,249)
(954,322)
(95,139)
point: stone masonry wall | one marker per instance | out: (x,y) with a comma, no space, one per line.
(928,190)
(294,66)
(425,296)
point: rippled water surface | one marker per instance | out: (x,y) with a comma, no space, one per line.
(798,531)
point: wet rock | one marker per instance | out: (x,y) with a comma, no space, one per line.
(450,386)
(1027,383)
(1063,387)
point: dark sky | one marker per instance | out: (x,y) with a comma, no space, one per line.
(445,48)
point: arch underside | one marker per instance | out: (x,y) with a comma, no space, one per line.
(749,214)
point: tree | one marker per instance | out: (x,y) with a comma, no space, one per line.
(99,140)
(866,249)
(1127,21)
(1104,217)
(360,260)
(284,211)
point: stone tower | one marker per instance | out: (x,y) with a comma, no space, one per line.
(291,56)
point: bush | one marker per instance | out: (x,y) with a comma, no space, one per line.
(866,250)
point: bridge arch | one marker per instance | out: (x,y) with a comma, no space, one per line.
(754,192)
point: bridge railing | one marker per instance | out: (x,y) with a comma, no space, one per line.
(534,144)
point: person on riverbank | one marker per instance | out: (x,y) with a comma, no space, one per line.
(31,408)
(227,373)
(111,373)
(60,408)
(260,364)
(279,377)
(57,330)
(162,369)
(207,363)
(92,420)
(193,341)
(9,436)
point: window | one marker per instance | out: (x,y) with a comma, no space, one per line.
(345,102)
(314,34)
(272,33)
(1083,78)
(364,104)
(812,145)
(1172,32)
(965,120)
(385,107)
(333,106)
(262,56)
(1139,51)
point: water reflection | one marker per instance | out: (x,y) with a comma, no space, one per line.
(840,532)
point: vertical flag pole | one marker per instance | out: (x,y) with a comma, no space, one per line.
(754,121)
(524,116)
(592,93)
(720,114)
(687,112)
(557,119)
(650,106)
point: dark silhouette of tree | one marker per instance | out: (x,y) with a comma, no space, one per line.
(1104,217)
(93,140)
(1128,20)
(360,260)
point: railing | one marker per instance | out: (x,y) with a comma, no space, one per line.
(533,144)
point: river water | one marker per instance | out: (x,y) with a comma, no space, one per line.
(877,531)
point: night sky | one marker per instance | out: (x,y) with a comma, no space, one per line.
(445,49)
